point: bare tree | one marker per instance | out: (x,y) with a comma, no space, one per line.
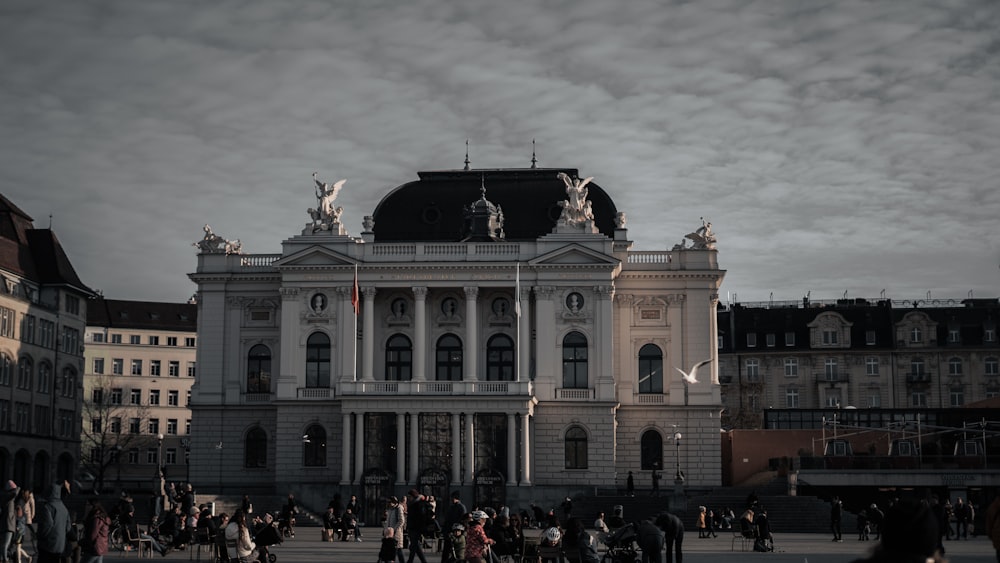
(107,417)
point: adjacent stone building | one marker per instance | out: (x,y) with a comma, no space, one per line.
(43,310)
(489,331)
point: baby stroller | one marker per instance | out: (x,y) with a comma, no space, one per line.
(621,545)
(267,536)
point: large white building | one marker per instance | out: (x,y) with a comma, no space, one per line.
(490,331)
(43,310)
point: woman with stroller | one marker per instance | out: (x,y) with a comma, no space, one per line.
(241,548)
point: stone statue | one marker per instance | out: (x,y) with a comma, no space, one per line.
(620,220)
(325,216)
(703,237)
(577,209)
(368,223)
(212,243)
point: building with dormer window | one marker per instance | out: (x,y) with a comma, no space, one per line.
(489,331)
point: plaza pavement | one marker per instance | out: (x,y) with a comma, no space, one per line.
(306,547)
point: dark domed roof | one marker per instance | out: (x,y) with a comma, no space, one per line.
(431,208)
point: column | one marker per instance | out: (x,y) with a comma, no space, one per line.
(470,448)
(675,355)
(414,447)
(345,450)
(545,375)
(471,340)
(604,385)
(291,352)
(511,450)
(419,334)
(359,446)
(347,336)
(368,330)
(525,451)
(400,449)
(456,448)
(524,337)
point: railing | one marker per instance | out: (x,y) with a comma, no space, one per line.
(499,249)
(649,398)
(446,249)
(650,257)
(394,249)
(258,262)
(409,388)
(574,394)
(257,398)
(315,393)
(896,463)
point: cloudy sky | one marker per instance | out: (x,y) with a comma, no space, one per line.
(835,146)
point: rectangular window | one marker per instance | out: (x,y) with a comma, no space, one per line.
(46,334)
(154,368)
(116,339)
(189,342)
(174,368)
(187,426)
(871,365)
(98,366)
(830,337)
(791,398)
(753,370)
(991,366)
(72,304)
(789,339)
(134,339)
(989,335)
(874,400)
(117,366)
(116,425)
(154,397)
(870,337)
(769,339)
(28,329)
(116,396)
(833,400)
(154,340)
(187,399)
(172,398)
(751,340)
(97,396)
(172,426)
(151,457)
(133,456)
(97,337)
(954,366)
(135,397)
(95,425)
(4,414)
(154,426)
(171,341)
(830,369)
(916,335)
(134,425)
(71,341)
(191,369)
(791,367)
(954,336)
(957,397)
(170,456)
(136,367)
(8,319)
(918,399)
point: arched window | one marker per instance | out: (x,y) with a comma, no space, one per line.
(576,448)
(500,358)
(651,450)
(44,377)
(314,446)
(574,361)
(25,373)
(398,359)
(67,383)
(318,360)
(650,369)
(255,448)
(259,369)
(449,358)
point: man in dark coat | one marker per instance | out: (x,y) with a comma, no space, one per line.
(673,532)
(417,522)
(53,526)
(651,539)
(455,514)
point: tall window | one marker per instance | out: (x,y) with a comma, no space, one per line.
(954,366)
(916,335)
(830,368)
(314,446)
(500,358)
(991,366)
(917,367)
(830,337)
(650,369)
(317,361)
(791,367)
(918,399)
(25,373)
(651,450)
(448,363)
(44,377)
(752,366)
(575,361)
(791,398)
(576,448)
(957,397)
(259,369)
(871,365)
(398,358)
(255,448)
(6,367)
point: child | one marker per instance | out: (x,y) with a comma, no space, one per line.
(456,552)
(387,552)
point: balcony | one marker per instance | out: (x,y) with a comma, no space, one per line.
(436,388)
(834,378)
(315,393)
(649,398)
(574,394)
(257,398)
(918,378)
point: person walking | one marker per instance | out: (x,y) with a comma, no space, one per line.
(53,526)
(702,516)
(97,525)
(418,519)
(476,542)
(836,513)
(395,519)
(630,485)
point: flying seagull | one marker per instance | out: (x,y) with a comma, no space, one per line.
(693,376)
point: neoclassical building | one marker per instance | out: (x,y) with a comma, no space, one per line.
(489,331)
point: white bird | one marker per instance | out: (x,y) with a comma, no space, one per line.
(692,377)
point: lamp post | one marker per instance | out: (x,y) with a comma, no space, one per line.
(159,455)
(678,476)
(186,443)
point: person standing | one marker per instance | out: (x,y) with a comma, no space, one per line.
(476,541)
(417,522)
(630,485)
(395,519)
(53,526)
(962,519)
(836,512)
(673,531)
(651,540)
(455,514)
(97,524)
(656,483)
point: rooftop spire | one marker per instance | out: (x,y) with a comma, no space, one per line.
(534,161)
(466,154)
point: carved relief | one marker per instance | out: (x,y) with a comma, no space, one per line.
(448,312)
(399,312)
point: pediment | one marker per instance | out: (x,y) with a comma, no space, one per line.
(576,255)
(315,256)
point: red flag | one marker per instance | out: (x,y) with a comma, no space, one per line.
(355,297)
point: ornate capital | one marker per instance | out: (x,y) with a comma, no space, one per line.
(344,291)
(234,302)
(369,292)
(288,293)
(420,293)
(525,293)
(544,291)
(676,298)
(624,299)
(605,291)
(471,293)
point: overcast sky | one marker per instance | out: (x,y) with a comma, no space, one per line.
(835,146)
